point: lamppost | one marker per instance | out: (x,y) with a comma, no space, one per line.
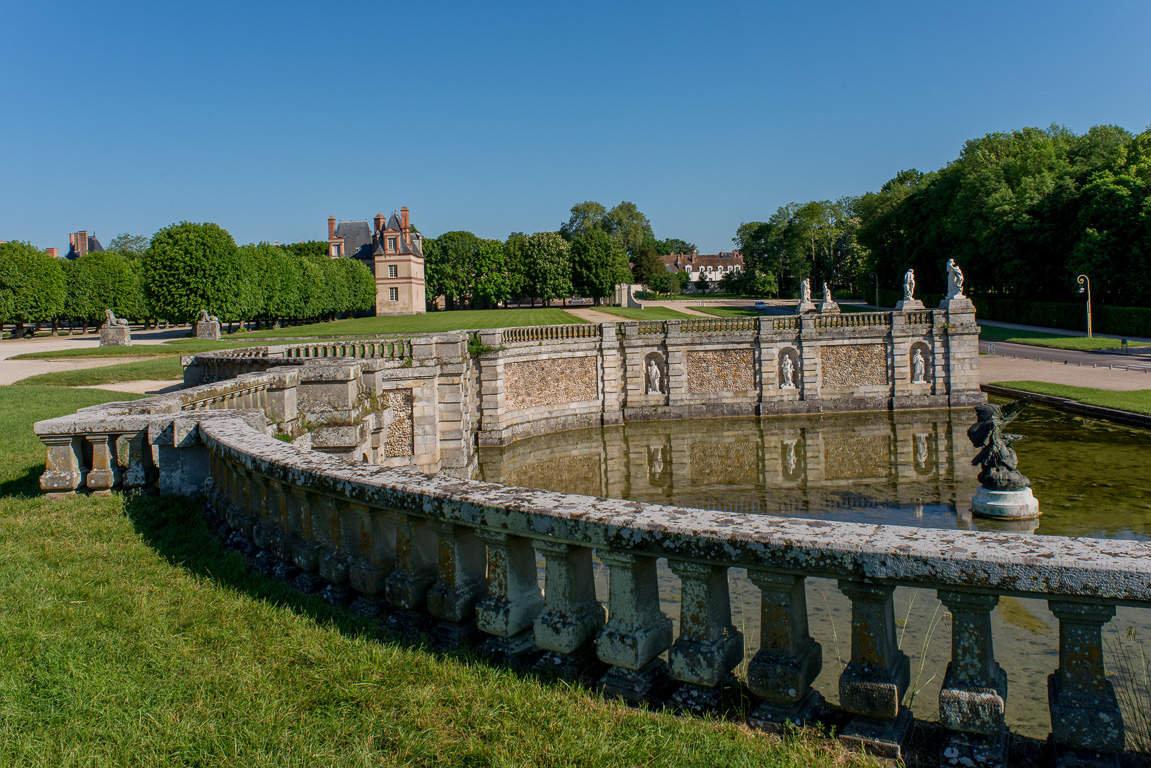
(875,280)
(1084,280)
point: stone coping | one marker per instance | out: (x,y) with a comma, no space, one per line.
(1017,564)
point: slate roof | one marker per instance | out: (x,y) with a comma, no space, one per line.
(357,238)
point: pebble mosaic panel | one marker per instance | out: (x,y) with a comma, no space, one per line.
(854,365)
(399,442)
(531,383)
(723,370)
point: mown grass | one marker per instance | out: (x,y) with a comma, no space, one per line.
(432,322)
(175,346)
(1136,401)
(153,369)
(1044,339)
(129,636)
(730,311)
(647,313)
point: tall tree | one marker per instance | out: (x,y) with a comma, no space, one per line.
(548,267)
(629,226)
(598,265)
(133,245)
(588,216)
(189,267)
(33,288)
(647,264)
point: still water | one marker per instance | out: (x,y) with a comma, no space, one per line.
(1092,478)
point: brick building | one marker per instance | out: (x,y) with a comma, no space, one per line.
(80,243)
(713,267)
(392,251)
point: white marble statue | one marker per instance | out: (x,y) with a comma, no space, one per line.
(805,292)
(826,294)
(909,285)
(111,319)
(954,280)
(653,378)
(917,367)
(788,373)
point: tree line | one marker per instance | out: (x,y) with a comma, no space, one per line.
(1022,213)
(180,270)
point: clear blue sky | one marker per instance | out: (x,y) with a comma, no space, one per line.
(497,117)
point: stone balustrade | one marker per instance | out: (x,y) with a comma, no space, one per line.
(461,563)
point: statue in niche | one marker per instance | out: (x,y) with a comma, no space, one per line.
(954,280)
(112,320)
(918,367)
(996,459)
(909,285)
(826,294)
(206,318)
(654,383)
(787,373)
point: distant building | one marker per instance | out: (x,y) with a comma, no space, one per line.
(393,252)
(80,243)
(713,267)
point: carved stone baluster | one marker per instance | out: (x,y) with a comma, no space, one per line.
(105,472)
(306,549)
(636,632)
(872,686)
(264,531)
(407,586)
(335,559)
(708,647)
(376,559)
(973,699)
(279,516)
(1086,724)
(134,456)
(788,659)
(459,584)
(513,600)
(64,469)
(572,614)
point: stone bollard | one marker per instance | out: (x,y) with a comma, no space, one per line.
(407,586)
(115,336)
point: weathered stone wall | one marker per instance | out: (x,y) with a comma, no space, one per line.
(853,365)
(723,370)
(532,383)
(399,440)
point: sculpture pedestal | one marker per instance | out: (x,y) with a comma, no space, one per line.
(959,304)
(209,330)
(828,308)
(908,305)
(1005,505)
(115,336)
(805,307)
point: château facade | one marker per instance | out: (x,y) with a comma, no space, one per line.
(392,251)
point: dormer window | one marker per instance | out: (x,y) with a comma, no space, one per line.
(335,249)
(392,244)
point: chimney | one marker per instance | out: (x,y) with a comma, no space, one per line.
(82,242)
(405,227)
(331,227)
(379,222)
(51,252)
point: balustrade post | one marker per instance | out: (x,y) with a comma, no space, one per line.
(708,647)
(572,614)
(788,659)
(513,600)
(134,455)
(105,472)
(64,466)
(369,571)
(459,584)
(972,702)
(1086,724)
(281,545)
(636,631)
(332,559)
(407,586)
(872,686)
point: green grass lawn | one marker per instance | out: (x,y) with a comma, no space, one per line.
(1044,339)
(647,313)
(730,311)
(158,369)
(173,347)
(432,322)
(130,637)
(1136,401)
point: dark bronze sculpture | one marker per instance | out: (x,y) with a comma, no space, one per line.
(996,459)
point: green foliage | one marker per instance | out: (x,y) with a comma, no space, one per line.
(647,264)
(624,222)
(464,268)
(129,245)
(660,282)
(598,264)
(189,267)
(361,285)
(673,245)
(101,280)
(33,287)
(1136,401)
(548,267)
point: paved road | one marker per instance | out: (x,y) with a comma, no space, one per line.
(1135,359)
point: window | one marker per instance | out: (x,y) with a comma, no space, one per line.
(393,294)
(336,249)
(391,244)
(393,270)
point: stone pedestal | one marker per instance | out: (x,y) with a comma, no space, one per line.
(1005,505)
(908,305)
(115,336)
(958,304)
(828,308)
(804,307)
(209,331)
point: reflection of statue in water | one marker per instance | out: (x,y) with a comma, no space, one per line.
(789,460)
(826,294)
(111,319)
(917,367)
(954,280)
(996,458)
(921,450)
(653,377)
(909,285)
(788,373)
(655,460)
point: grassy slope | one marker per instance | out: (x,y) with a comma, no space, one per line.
(647,313)
(158,369)
(129,637)
(1137,401)
(174,347)
(1044,339)
(432,322)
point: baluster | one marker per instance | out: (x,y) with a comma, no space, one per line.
(708,647)
(64,470)
(105,472)
(872,686)
(459,584)
(407,586)
(279,517)
(636,631)
(306,553)
(332,558)
(788,659)
(572,614)
(513,600)
(973,699)
(373,562)
(1086,724)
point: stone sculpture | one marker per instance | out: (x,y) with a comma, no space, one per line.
(115,331)
(653,377)
(207,327)
(827,305)
(1004,490)
(805,303)
(954,280)
(909,285)
(788,378)
(206,318)
(111,319)
(917,367)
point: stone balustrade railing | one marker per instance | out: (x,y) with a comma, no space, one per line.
(854,319)
(549,333)
(720,325)
(396,349)
(459,558)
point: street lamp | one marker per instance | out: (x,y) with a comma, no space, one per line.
(1083,279)
(875,280)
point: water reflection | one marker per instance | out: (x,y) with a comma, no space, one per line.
(904,468)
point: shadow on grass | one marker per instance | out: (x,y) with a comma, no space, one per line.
(24,486)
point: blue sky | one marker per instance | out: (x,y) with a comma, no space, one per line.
(497,117)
